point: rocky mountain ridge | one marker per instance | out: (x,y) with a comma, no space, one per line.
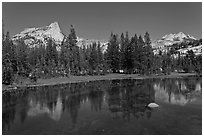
(166,42)
(35,36)
(171,39)
(32,36)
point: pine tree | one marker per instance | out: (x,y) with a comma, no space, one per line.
(122,52)
(113,53)
(198,65)
(135,53)
(65,56)
(126,52)
(157,64)
(7,72)
(54,55)
(140,56)
(179,62)
(166,63)
(7,60)
(83,65)
(188,62)
(148,54)
(73,51)
(99,58)
(3,35)
(129,60)
(41,57)
(93,59)
(22,56)
(48,57)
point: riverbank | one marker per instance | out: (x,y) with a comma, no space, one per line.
(76,79)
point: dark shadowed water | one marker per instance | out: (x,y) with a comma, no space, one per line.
(106,107)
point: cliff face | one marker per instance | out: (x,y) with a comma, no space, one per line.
(34,36)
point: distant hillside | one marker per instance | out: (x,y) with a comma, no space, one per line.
(179,42)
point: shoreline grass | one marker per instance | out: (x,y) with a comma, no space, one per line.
(77,79)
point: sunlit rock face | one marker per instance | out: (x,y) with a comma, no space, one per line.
(176,97)
(38,108)
(33,37)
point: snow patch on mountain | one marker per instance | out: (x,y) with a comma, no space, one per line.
(171,39)
(164,44)
(177,37)
(197,50)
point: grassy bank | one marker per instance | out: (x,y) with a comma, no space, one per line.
(75,79)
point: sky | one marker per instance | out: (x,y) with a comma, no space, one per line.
(97,20)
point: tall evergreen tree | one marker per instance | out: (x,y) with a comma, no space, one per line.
(135,53)
(22,58)
(113,53)
(188,62)
(148,54)
(99,57)
(8,56)
(140,56)
(122,52)
(83,65)
(65,55)
(3,35)
(198,65)
(129,64)
(93,58)
(126,46)
(166,63)
(73,51)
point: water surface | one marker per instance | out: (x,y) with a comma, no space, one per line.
(106,107)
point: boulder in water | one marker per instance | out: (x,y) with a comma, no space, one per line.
(153,105)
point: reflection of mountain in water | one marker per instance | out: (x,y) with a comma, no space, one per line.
(176,92)
(198,87)
(37,108)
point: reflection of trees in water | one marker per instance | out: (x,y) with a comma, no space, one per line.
(96,98)
(125,98)
(23,110)
(8,116)
(10,107)
(131,99)
(52,100)
(73,102)
(193,84)
(176,91)
(81,93)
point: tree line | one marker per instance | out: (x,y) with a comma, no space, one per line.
(124,54)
